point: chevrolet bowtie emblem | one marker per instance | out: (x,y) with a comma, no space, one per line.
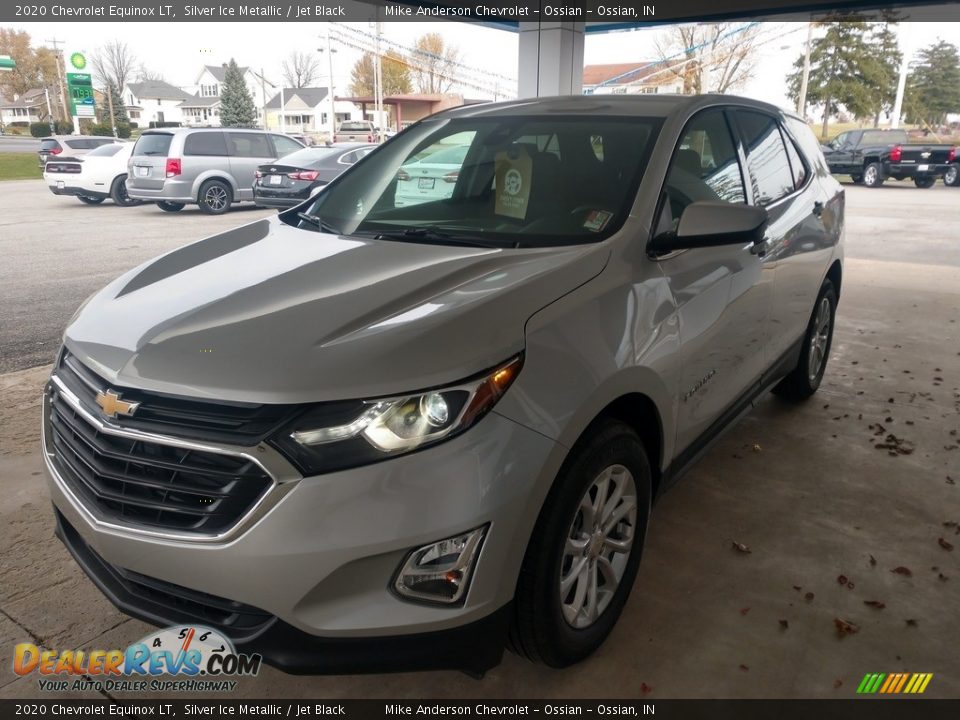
(112,405)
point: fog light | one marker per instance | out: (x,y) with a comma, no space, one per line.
(440,572)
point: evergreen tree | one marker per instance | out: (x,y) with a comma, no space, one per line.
(883,70)
(933,86)
(236,104)
(120,116)
(842,64)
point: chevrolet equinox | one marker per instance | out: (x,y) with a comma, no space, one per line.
(367,435)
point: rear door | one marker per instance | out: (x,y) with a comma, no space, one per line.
(247,151)
(722,293)
(147,167)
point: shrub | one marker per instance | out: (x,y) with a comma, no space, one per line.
(101,129)
(64,127)
(39,129)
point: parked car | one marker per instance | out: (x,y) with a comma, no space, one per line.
(872,156)
(69,146)
(358,131)
(431,177)
(211,167)
(361,436)
(98,175)
(290,180)
(304,140)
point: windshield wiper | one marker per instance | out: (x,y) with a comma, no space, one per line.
(318,222)
(429,234)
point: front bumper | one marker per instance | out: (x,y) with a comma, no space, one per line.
(77,191)
(321,558)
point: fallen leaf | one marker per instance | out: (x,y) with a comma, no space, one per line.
(942,577)
(874,604)
(944,544)
(911,622)
(809,597)
(845,627)
(873,560)
(740,547)
(784,624)
(842,579)
(756,448)
(744,667)
(951,481)
(849,586)
(901,570)
(798,588)
(950,523)
(644,688)
(837,683)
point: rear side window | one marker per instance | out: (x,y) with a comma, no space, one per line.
(78,144)
(797,166)
(766,157)
(249,145)
(285,145)
(49,144)
(205,143)
(153,144)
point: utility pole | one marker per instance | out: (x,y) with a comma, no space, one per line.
(805,79)
(63,85)
(263,96)
(113,121)
(330,89)
(378,81)
(901,89)
(50,122)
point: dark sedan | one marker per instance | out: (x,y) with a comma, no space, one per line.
(290,180)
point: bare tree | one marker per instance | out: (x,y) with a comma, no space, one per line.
(710,57)
(114,63)
(300,69)
(146,74)
(433,63)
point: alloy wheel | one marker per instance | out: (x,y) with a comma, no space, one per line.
(819,340)
(215,197)
(870,176)
(598,546)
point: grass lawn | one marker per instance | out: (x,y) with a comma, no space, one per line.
(18,166)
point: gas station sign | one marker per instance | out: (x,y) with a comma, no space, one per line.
(79,85)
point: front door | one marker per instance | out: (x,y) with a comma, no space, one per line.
(722,294)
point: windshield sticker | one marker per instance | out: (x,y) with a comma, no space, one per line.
(514,173)
(597,220)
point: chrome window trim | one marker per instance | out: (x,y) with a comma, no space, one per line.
(283,475)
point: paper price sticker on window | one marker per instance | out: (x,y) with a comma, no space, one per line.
(597,220)
(514,174)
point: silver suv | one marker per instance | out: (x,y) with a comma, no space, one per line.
(211,167)
(366,435)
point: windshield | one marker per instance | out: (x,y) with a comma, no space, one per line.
(497,181)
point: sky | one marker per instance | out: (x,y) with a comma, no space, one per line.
(179,50)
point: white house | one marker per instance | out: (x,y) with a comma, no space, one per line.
(307,110)
(209,85)
(29,107)
(155,101)
(640,77)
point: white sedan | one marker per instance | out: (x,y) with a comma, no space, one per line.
(430,178)
(98,175)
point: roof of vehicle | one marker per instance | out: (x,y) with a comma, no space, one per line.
(184,130)
(659,105)
(105,138)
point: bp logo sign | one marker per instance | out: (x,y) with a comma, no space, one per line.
(78,60)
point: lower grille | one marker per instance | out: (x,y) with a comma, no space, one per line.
(144,483)
(162,602)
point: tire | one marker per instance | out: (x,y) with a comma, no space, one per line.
(118,192)
(546,628)
(168,206)
(925,181)
(952,176)
(873,175)
(215,197)
(89,200)
(805,378)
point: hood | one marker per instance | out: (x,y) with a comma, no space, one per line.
(270,313)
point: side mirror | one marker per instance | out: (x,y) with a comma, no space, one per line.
(711,224)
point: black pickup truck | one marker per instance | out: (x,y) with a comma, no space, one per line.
(872,156)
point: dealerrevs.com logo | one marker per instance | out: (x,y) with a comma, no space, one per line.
(202,659)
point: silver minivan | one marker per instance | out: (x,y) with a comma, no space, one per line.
(212,167)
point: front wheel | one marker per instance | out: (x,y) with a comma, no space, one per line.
(873,175)
(118,192)
(585,550)
(89,199)
(168,206)
(215,197)
(805,378)
(924,181)
(952,176)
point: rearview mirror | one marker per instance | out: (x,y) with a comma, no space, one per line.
(711,224)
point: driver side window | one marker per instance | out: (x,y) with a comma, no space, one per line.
(705,166)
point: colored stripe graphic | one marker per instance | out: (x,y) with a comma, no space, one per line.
(894,683)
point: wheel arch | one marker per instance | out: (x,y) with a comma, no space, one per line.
(835,275)
(213,175)
(640,413)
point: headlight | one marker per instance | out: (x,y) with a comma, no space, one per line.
(372,430)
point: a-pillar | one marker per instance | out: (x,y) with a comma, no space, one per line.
(550,59)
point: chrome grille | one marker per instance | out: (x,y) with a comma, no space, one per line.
(140,482)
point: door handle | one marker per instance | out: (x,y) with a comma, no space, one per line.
(818,208)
